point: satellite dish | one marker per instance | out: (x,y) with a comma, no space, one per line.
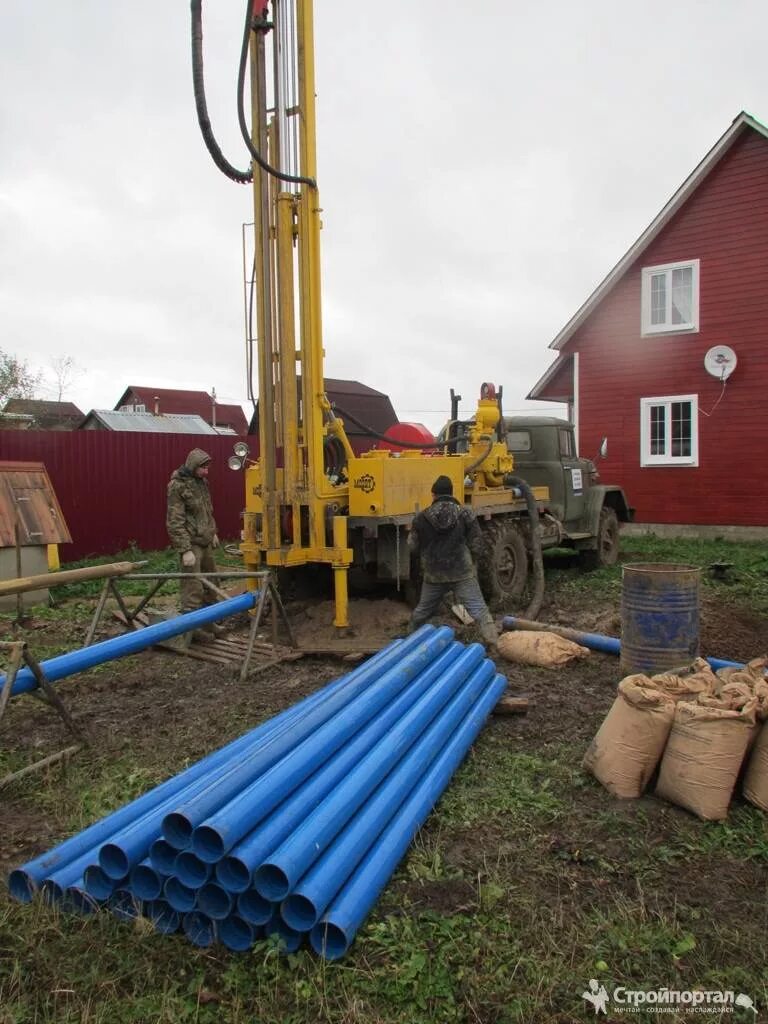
(720,361)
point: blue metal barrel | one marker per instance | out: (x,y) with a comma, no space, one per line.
(659,616)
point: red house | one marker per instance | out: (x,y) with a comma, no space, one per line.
(668,357)
(171,400)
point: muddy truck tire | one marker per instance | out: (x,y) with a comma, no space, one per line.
(606,551)
(502,569)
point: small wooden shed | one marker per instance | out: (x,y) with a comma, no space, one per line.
(30,521)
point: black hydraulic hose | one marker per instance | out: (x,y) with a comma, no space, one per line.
(383,437)
(537,596)
(198,83)
(483,457)
(250,23)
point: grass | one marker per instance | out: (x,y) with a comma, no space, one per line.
(525,883)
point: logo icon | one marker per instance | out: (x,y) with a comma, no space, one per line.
(365,483)
(597,996)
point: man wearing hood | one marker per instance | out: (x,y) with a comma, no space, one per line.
(447,535)
(192,529)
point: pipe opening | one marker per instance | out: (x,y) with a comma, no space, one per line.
(146,883)
(252,906)
(233,874)
(113,861)
(78,901)
(179,896)
(97,884)
(164,918)
(328,940)
(177,830)
(299,913)
(287,939)
(191,871)
(163,856)
(208,844)
(236,934)
(272,882)
(21,886)
(123,905)
(214,901)
(198,928)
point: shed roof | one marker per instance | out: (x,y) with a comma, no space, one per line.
(27,498)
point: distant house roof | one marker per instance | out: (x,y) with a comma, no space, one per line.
(46,415)
(147,423)
(179,401)
(27,498)
(351,399)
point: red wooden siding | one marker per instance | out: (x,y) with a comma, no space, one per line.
(724,224)
(112,485)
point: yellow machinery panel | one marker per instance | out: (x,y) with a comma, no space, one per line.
(382,484)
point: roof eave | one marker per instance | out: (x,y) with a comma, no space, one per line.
(690,184)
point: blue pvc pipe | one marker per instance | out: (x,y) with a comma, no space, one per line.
(288,940)
(97,884)
(333,935)
(23,881)
(237,934)
(608,644)
(214,900)
(314,891)
(77,901)
(162,856)
(124,905)
(191,871)
(55,882)
(146,883)
(262,780)
(164,918)
(276,877)
(253,908)
(129,643)
(199,929)
(235,871)
(179,896)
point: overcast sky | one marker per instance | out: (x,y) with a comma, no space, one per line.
(481,169)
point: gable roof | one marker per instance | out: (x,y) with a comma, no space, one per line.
(744,122)
(180,401)
(40,407)
(27,497)
(148,423)
(370,407)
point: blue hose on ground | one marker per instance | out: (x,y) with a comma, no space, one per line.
(595,641)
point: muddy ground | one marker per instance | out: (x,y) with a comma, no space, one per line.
(163,711)
(169,709)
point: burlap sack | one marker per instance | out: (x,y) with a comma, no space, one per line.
(755,785)
(703,756)
(547,650)
(624,753)
(687,686)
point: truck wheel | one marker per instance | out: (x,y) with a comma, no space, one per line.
(607,550)
(503,568)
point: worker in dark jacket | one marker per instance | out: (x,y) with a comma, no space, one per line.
(446,536)
(192,530)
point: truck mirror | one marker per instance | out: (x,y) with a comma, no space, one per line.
(604,448)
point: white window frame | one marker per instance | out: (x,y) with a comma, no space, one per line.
(647,328)
(646,458)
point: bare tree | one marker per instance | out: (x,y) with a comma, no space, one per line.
(16,379)
(65,372)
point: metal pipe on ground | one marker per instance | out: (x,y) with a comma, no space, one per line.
(23,881)
(130,643)
(595,641)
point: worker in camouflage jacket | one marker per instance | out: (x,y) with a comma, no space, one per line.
(192,529)
(447,536)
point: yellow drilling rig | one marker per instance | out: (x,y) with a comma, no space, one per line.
(309,500)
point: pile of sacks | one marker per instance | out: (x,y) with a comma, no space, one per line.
(703,730)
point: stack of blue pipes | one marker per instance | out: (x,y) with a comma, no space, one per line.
(295,828)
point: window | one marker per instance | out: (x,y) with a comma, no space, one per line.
(669,431)
(567,447)
(670,298)
(518,441)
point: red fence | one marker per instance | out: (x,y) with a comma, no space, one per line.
(112,486)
